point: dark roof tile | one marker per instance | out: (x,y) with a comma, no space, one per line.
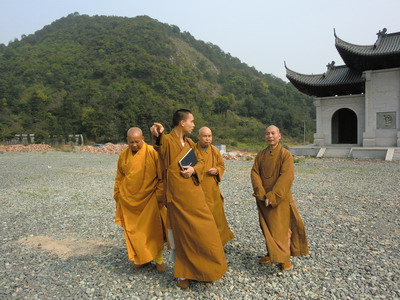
(338,80)
(384,54)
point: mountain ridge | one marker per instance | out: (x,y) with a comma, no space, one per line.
(100,75)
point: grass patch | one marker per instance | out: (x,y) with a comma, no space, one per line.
(299,159)
(64,148)
(307,171)
(39,194)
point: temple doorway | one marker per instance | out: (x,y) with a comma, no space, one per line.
(344,127)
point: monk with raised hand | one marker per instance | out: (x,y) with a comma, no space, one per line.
(272,176)
(192,232)
(212,174)
(138,192)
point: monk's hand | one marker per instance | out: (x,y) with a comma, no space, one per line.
(212,171)
(156,129)
(267,203)
(187,171)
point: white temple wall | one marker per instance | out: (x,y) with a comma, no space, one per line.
(327,106)
(378,111)
(382,101)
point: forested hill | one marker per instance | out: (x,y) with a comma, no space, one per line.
(100,75)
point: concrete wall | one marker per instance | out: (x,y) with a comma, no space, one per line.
(382,95)
(382,98)
(327,106)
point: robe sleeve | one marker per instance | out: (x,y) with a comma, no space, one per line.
(220,165)
(158,142)
(160,184)
(259,191)
(118,178)
(199,167)
(284,182)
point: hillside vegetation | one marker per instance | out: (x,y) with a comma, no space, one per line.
(100,75)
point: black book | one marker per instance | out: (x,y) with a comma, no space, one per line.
(189,159)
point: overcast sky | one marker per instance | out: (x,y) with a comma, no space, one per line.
(261,33)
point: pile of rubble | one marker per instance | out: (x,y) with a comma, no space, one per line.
(28,148)
(230,157)
(107,148)
(239,155)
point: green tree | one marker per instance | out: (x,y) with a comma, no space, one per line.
(101,75)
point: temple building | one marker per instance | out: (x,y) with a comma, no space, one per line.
(357,104)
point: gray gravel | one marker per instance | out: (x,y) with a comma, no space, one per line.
(350,209)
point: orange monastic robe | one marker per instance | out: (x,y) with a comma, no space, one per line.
(199,252)
(210,185)
(272,176)
(138,192)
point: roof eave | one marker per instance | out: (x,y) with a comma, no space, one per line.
(340,89)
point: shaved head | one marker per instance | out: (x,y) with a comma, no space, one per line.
(205,137)
(135,139)
(273,127)
(204,130)
(134,131)
(272,136)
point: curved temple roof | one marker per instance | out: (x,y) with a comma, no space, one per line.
(338,80)
(384,54)
(348,79)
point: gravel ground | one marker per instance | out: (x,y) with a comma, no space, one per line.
(58,239)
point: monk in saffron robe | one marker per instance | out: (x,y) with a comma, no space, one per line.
(199,254)
(272,176)
(138,192)
(212,175)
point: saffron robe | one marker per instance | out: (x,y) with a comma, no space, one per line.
(138,192)
(210,185)
(272,176)
(199,252)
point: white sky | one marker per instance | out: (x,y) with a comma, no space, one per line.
(261,33)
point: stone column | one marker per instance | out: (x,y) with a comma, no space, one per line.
(370,119)
(24,139)
(71,139)
(17,139)
(76,139)
(319,137)
(32,138)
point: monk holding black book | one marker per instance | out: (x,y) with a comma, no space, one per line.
(193,234)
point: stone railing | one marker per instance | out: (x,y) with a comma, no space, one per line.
(26,139)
